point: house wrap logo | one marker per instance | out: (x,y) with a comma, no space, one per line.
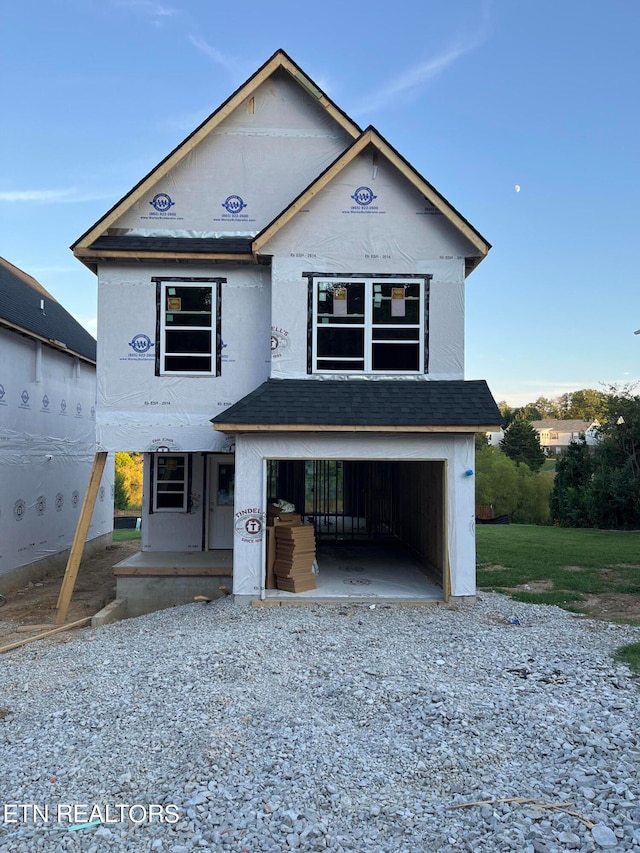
(249,524)
(364,196)
(163,445)
(279,342)
(162,202)
(141,345)
(234,204)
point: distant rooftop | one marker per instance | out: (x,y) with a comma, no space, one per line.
(28,308)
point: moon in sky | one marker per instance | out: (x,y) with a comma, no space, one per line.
(517,188)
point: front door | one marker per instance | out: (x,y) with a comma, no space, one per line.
(221,490)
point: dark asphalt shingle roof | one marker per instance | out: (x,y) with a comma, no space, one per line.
(360,402)
(20,298)
(135,243)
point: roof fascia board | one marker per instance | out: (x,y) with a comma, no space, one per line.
(240,427)
(92,255)
(278,60)
(58,345)
(371,137)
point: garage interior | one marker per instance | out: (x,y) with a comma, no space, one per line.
(379,526)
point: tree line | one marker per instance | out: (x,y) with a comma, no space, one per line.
(596,486)
(585,404)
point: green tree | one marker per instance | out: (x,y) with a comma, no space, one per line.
(522,444)
(508,414)
(120,492)
(511,489)
(571,497)
(586,404)
(615,492)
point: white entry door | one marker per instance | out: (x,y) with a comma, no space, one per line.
(221,491)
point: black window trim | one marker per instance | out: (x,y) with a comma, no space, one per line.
(218,281)
(312,276)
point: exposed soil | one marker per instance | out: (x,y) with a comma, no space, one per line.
(36,603)
(95,587)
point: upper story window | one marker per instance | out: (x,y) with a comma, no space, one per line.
(189,326)
(362,324)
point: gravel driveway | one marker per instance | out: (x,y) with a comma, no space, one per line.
(229,728)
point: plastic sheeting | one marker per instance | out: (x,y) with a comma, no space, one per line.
(369,220)
(397,232)
(139,411)
(252,451)
(47,448)
(246,171)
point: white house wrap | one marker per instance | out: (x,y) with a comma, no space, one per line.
(282,249)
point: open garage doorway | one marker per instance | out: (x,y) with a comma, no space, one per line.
(380,526)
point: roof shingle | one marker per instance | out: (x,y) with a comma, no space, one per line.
(21,297)
(357,402)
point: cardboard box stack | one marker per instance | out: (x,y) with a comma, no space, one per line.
(295,554)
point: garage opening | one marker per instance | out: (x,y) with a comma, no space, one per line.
(377,524)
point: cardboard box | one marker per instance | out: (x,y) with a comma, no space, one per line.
(288,519)
(276,516)
(297,584)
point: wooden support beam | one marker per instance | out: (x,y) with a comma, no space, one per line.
(77,549)
(80,623)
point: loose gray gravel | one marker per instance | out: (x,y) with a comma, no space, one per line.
(346,728)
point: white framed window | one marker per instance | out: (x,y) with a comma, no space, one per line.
(170,482)
(189,326)
(364,324)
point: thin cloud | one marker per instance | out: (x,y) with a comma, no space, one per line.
(60,196)
(409,85)
(229,64)
(150,8)
(35,195)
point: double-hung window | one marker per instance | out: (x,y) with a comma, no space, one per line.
(368,324)
(170,482)
(189,326)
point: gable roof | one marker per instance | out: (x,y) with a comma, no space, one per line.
(361,405)
(371,138)
(27,308)
(279,60)
(559,425)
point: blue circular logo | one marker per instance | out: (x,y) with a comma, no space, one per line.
(25,397)
(161,202)
(233,204)
(59,502)
(140,344)
(2,392)
(79,409)
(45,402)
(363,196)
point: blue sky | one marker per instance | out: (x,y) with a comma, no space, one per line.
(481,96)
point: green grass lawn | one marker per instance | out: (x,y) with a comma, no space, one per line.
(568,563)
(573,561)
(125,535)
